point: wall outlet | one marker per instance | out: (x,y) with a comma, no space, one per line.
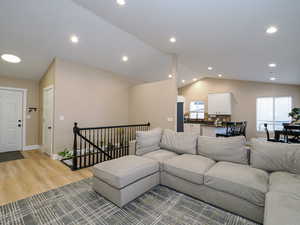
(170,119)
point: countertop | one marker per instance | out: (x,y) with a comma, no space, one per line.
(205,123)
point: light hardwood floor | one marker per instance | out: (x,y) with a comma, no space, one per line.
(35,174)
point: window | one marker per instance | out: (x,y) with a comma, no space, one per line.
(273,111)
(197,110)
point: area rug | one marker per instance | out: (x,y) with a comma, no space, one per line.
(77,204)
(9,156)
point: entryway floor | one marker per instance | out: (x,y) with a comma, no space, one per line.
(36,173)
(9,156)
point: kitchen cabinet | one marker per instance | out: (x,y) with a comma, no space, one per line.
(209,131)
(193,128)
(220,104)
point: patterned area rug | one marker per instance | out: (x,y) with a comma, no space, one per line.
(78,204)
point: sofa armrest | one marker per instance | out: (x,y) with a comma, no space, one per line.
(132,147)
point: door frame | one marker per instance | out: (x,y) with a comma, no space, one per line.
(24,108)
(52,140)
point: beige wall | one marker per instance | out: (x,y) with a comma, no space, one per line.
(244,95)
(47,80)
(154,103)
(32,87)
(89,96)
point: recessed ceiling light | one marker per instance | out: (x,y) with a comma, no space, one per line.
(272,78)
(220,75)
(170,76)
(183,81)
(10,58)
(195,79)
(74,39)
(271,30)
(121,2)
(272,65)
(125,58)
(172,39)
(209,68)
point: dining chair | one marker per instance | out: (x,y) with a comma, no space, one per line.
(291,130)
(268,135)
(229,130)
(234,129)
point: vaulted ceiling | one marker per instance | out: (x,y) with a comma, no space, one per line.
(37,31)
(227,35)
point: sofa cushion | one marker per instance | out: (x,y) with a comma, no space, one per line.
(188,167)
(180,143)
(147,141)
(125,170)
(275,156)
(240,180)
(160,155)
(231,149)
(285,182)
(282,209)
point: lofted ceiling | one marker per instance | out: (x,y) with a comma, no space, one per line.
(37,31)
(228,35)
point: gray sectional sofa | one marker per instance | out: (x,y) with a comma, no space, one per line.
(261,184)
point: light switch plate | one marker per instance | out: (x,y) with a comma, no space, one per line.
(170,119)
(61,118)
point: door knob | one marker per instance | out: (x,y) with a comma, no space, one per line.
(19,125)
(49,128)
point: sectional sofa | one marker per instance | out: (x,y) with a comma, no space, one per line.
(261,183)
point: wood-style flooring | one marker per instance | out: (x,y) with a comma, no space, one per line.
(35,174)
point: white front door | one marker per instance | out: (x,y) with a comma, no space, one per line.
(48,120)
(11,120)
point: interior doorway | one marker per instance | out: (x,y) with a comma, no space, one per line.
(48,110)
(12,116)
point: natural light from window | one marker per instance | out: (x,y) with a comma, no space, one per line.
(273,111)
(197,110)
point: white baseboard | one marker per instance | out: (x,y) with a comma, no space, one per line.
(31,147)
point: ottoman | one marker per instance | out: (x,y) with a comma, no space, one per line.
(124,179)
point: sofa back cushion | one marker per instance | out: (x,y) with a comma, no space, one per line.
(273,157)
(181,143)
(231,149)
(148,141)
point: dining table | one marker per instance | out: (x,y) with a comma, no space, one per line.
(289,130)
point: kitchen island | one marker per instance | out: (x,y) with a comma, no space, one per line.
(203,128)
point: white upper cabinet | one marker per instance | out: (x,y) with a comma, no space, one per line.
(219,104)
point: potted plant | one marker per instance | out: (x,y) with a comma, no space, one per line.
(295,114)
(65,154)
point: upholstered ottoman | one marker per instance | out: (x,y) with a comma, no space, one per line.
(124,179)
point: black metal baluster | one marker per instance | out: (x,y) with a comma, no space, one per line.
(89,147)
(85,150)
(116,141)
(93,148)
(98,145)
(101,144)
(105,143)
(119,142)
(127,145)
(113,136)
(75,130)
(80,153)
(112,144)
(109,141)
